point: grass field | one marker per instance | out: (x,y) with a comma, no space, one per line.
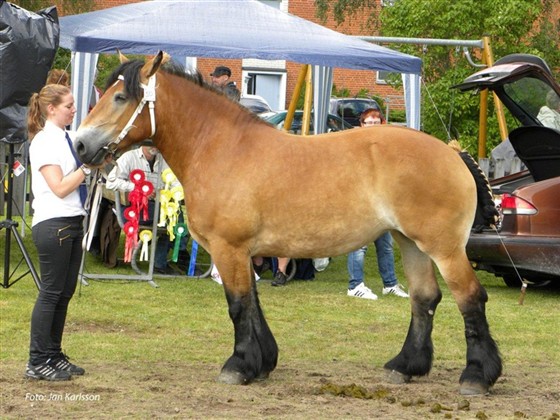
(185,322)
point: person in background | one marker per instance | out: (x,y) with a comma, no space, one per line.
(57,227)
(280,278)
(220,79)
(549,114)
(149,160)
(260,265)
(383,246)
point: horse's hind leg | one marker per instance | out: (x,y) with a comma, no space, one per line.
(484,364)
(415,357)
(255,351)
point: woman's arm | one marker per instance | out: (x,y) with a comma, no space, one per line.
(59,184)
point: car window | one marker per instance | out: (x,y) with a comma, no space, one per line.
(529,93)
(296,124)
(334,124)
(350,109)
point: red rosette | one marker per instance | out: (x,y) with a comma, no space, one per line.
(131,231)
(137,176)
(147,188)
(136,199)
(131,214)
(130,228)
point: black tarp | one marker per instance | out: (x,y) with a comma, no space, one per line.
(28,44)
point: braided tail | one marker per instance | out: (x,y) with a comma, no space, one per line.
(486,212)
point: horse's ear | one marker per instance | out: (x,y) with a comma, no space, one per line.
(153,65)
(123,59)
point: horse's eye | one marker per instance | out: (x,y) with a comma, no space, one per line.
(120,97)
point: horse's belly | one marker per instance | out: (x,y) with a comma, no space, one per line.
(330,236)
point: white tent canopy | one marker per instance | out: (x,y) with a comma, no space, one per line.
(224,29)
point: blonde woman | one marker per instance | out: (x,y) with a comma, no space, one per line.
(59,194)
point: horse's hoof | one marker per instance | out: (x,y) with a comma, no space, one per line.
(263,376)
(473,388)
(397,378)
(232,378)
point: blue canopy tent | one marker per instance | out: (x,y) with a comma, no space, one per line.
(227,29)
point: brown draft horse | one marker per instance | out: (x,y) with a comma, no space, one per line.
(251,189)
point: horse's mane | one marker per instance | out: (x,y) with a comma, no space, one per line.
(130,71)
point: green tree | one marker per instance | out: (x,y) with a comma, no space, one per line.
(513,26)
(64,7)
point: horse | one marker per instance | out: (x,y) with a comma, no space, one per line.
(253,190)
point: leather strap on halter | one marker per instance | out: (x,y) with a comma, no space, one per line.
(150,98)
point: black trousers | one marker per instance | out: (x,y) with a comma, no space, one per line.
(59,246)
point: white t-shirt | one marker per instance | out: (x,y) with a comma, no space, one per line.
(49,147)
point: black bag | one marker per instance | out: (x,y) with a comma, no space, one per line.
(304,269)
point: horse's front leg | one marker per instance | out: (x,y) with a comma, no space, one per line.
(255,352)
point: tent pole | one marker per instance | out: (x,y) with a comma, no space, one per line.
(489,58)
(295,96)
(307,102)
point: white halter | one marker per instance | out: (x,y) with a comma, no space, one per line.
(150,98)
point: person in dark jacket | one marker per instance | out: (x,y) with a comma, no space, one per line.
(220,78)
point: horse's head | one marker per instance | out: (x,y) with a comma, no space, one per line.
(124,115)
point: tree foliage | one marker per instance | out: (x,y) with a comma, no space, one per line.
(64,7)
(513,26)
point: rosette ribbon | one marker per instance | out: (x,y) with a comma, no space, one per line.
(180,231)
(131,232)
(164,200)
(145,237)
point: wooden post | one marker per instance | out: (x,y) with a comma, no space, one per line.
(482,123)
(293,102)
(489,59)
(307,102)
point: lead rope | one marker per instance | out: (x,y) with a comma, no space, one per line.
(523,282)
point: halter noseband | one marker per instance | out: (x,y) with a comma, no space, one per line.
(150,98)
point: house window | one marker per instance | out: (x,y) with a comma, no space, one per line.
(384,77)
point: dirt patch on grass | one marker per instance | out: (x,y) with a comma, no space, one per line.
(325,390)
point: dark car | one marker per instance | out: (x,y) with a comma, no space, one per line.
(350,109)
(334,123)
(527,241)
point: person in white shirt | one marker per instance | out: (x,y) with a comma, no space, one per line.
(549,114)
(57,227)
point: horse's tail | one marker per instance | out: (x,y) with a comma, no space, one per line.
(486,212)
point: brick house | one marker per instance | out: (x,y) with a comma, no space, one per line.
(275,80)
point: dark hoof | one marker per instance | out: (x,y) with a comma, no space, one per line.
(232,378)
(397,378)
(263,376)
(473,388)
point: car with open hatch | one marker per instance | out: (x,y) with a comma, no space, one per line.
(525,246)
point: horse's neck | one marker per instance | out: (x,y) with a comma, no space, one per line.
(193,122)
